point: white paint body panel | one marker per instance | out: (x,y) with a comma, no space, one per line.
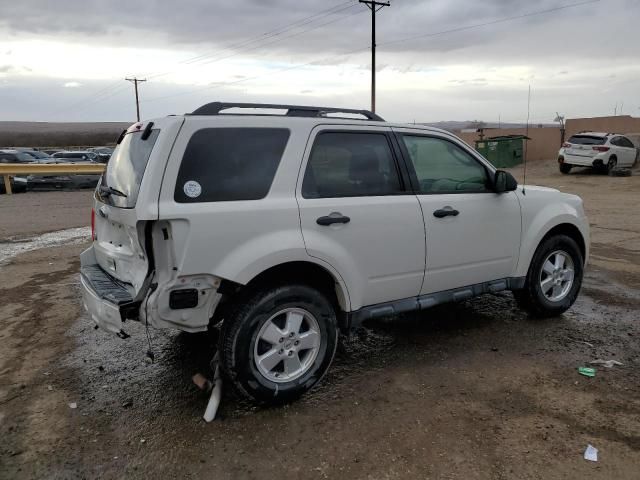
(480,244)
(379,256)
(542,209)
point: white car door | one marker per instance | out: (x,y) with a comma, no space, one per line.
(472,233)
(625,151)
(359,215)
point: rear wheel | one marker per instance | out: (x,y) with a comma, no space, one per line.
(279,342)
(612,164)
(554,277)
(565,168)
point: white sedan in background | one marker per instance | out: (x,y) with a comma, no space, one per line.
(602,151)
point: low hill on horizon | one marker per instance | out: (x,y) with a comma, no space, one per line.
(59,134)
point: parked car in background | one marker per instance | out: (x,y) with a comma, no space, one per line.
(18,184)
(37,155)
(72,156)
(602,151)
(104,153)
(66,181)
(15,156)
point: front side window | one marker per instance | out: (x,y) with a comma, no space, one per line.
(350,164)
(443,167)
(225,164)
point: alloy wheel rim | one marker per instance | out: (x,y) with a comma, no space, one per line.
(557,276)
(287,345)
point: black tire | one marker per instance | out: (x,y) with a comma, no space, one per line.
(565,168)
(611,164)
(239,334)
(531,298)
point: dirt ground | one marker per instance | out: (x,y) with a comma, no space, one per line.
(471,390)
(26,214)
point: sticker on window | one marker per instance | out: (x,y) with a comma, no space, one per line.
(192,189)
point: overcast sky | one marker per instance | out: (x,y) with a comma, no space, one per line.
(66,60)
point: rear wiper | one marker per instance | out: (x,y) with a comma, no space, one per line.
(107,190)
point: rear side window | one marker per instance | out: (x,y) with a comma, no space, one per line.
(587,140)
(623,142)
(225,164)
(350,164)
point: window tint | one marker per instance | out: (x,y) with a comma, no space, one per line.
(350,164)
(443,167)
(625,142)
(587,140)
(223,164)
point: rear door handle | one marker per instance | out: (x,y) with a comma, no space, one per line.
(446,212)
(334,217)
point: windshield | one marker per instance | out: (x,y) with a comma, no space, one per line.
(587,140)
(125,169)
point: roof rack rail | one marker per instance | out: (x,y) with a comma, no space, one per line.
(214,108)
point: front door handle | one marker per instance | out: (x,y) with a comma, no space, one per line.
(335,217)
(446,212)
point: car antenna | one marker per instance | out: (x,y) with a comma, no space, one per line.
(526,142)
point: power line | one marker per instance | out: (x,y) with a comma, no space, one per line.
(433,34)
(239,47)
(492,22)
(406,39)
(115,87)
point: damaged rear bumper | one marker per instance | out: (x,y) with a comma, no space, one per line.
(107,300)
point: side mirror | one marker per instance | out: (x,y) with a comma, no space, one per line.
(504,182)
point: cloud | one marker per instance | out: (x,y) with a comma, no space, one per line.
(460,60)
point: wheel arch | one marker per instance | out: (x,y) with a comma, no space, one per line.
(571,231)
(564,226)
(308,272)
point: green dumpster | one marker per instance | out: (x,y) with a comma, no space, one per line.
(504,151)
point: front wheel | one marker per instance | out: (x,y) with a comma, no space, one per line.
(554,277)
(279,342)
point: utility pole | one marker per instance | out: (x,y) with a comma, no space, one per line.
(374,6)
(135,84)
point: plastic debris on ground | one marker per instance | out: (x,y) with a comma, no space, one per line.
(587,371)
(73,405)
(591,453)
(606,363)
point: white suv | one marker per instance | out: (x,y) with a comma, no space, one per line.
(280,230)
(602,151)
